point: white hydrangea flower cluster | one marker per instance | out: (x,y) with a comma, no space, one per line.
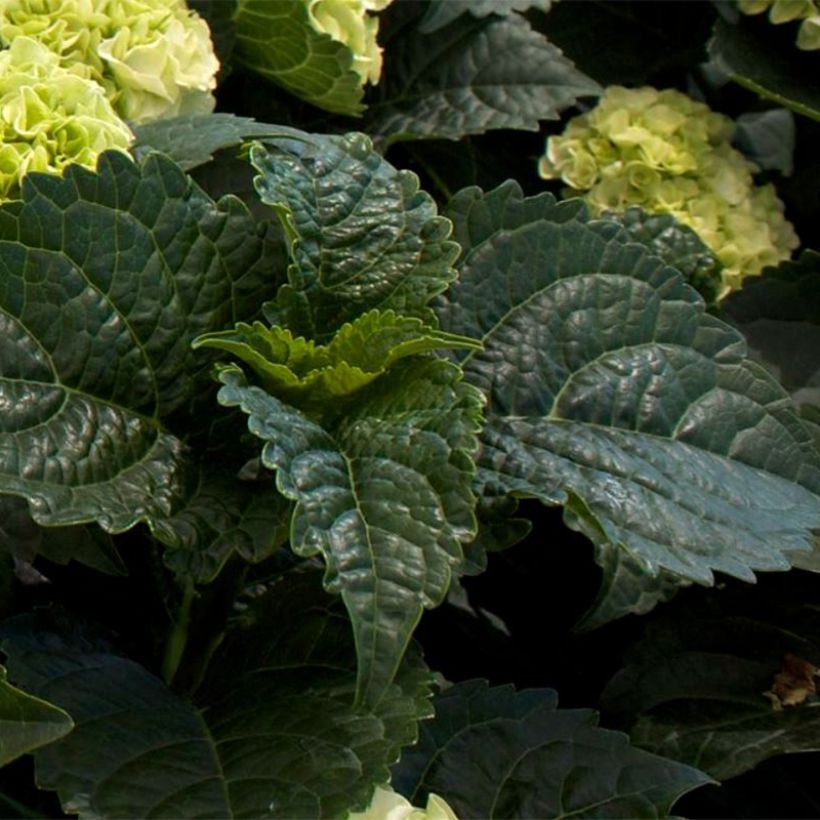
(666,153)
(786,11)
(348,22)
(388,805)
(50,116)
(154,58)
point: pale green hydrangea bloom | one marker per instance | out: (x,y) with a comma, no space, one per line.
(666,153)
(785,11)
(348,22)
(387,805)
(154,58)
(50,116)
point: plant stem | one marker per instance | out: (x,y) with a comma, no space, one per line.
(178,636)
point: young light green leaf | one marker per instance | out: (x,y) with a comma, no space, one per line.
(384,496)
(306,374)
(611,391)
(105,279)
(192,140)
(27,722)
(498,753)
(274,734)
(362,234)
(442,12)
(771,65)
(275,39)
(693,687)
(472,76)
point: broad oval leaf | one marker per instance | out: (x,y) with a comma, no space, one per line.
(276,736)
(96,381)
(27,722)
(105,279)
(610,390)
(498,753)
(362,234)
(694,688)
(471,76)
(274,38)
(383,495)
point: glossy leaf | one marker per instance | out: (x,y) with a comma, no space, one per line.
(612,392)
(693,688)
(362,234)
(105,278)
(192,140)
(677,245)
(766,61)
(275,39)
(498,753)
(471,76)
(276,737)
(383,496)
(307,374)
(222,515)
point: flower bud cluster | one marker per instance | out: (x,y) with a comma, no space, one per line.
(785,11)
(666,153)
(388,805)
(154,58)
(348,22)
(50,116)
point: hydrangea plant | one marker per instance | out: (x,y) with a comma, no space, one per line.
(154,58)
(50,116)
(667,153)
(786,11)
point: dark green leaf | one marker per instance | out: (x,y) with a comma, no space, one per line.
(469,77)
(105,279)
(611,391)
(507,754)
(766,60)
(362,234)
(223,515)
(274,38)
(27,722)
(192,140)
(383,495)
(219,16)
(677,245)
(693,688)
(442,12)
(277,737)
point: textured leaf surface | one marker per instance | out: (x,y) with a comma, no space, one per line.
(501,753)
(611,391)
(442,12)
(469,77)
(223,515)
(105,278)
(779,315)
(305,373)
(275,39)
(765,60)
(362,234)
(676,244)
(277,737)
(383,495)
(192,140)
(27,722)
(692,689)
